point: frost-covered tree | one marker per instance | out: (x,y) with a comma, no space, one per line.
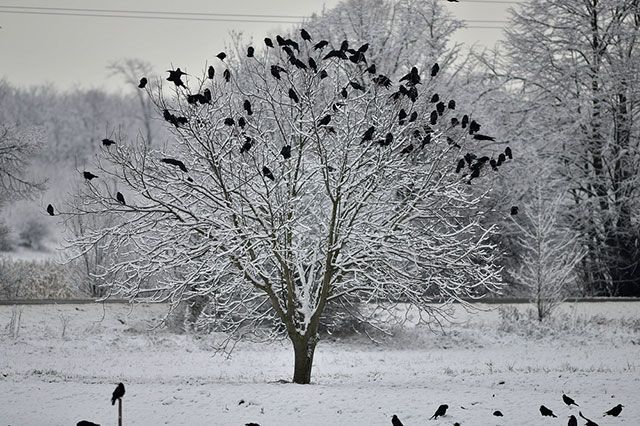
(549,251)
(296,180)
(17,149)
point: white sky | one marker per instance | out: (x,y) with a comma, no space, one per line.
(71,51)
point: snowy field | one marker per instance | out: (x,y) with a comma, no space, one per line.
(66,360)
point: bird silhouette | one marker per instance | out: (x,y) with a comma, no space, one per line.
(498,413)
(454,121)
(543,409)
(246,146)
(276,70)
(344,92)
(120,198)
(251,424)
(293,44)
(250,51)
(356,85)
(480,137)
(460,165)
(465,121)
(451,104)
(382,80)
(293,96)
(572,421)
(268,42)
(434,69)
(363,48)
(407,149)
(298,63)
(344,45)
(305,35)
(267,173)
(501,159)
(589,421)
(335,54)
(107,142)
(325,120)
(88,175)
(320,45)
(288,51)
(86,423)
(229,121)
(211,72)
(440,108)
(313,65)
(117,394)
(413,117)
(50,210)
(368,134)
(176,77)
(281,42)
(426,140)
(221,56)
(441,411)
(474,127)
(508,153)
(227,75)
(494,165)
(395,421)
(371,69)
(434,118)
(412,78)
(205,98)
(615,411)
(434,98)
(402,115)
(388,139)
(323,74)
(568,400)
(286,152)
(174,162)
(247,107)
(143,82)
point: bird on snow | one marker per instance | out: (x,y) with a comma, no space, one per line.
(117,394)
(572,421)
(143,82)
(88,175)
(120,198)
(543,410)
(498,413)
(589,421)
(514,211)
(175,162)
(395,421)
(221,56)
(267,173)
(615,411)
(465,121)
(86,423)
(568,400)
(344,45)
(441,411)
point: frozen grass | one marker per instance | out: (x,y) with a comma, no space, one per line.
(64,361)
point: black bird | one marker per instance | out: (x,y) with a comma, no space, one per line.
(337,105)
(412,93)
(246,146)
(615,411)
(247,107)
(412,77)
(440,108)
(335,54)
(363,48)
(395,421)
(227,75)
(497,413)
(175,77)
(325,120)
(293,96)
(252,424)
(508,153)
(426,140)
(356,85)
(107,142)
(143,82)
(441,411)
(313,65)
(120,198)
(435,98)
(117,394)
(434,118)
(286,152)
(242,122)
(276,70)
(434,69)
(250,52)
(221,56)
(460,165)
(293,44)
(305,35)
(193,99)
(451,104)
(229,121)
(176,163)
(88,175)
(468,157)
(480,137)
(211,72)
(344,92)
(382,80)
(267,173)
(465,121)
(50,210)
(572,421)
(368,135)
(320,45)
(268,42)
(407,149)
(402,115)
(281,42)
(494,165)
(298,63)
(288,51)
(543,409)
(205,98)
(474,127)
(371,69)
(413,117)
(344,45)
(357,58)
(323,74)
(454,121)
(569,401)
(86,423)
(589,422)
(501,159)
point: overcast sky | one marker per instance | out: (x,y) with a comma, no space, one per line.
(73,51)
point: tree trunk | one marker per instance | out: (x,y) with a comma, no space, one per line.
(303,348)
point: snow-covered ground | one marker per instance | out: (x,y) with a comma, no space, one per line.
(477,365)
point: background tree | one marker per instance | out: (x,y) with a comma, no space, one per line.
(293,184)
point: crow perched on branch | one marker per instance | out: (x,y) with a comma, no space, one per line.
(143,82)
(498,413)
(305,35)
(229,121)
(356,85)
(451,104)
(246,146)
(325,120)
(120,198)
(344,45)
(434,69)
(320,45)
(313,65)
(247,107)
(88,175)
(543,410)
(293,96)
(435,98)
(323,74)
(281,42)
(107,142)
(371,69)
(211,72)
(286,152)
(465,121)
(382,80)
(412,78)
(480,137)
(440,108)
(434,118)
(250,52)
(175,76)
(267,173)
(572,421)
(117,394)
(175,162)
(460,165)
(276,70)
(227,75)
(336,54)
(402,115)
(508,153)
(368,134)
(268,42)
(50,210)
(474,127)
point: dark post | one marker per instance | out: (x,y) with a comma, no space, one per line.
(119,411)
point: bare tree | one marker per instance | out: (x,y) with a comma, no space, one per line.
(550,252)
(16,151)
(288,189)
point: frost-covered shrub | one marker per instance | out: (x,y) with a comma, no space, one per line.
(32,234)
(6,242)
(21,279)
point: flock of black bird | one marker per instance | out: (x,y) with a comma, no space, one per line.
(544,411)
